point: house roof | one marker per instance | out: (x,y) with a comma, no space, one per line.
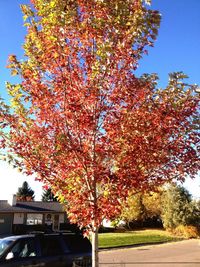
(31,206)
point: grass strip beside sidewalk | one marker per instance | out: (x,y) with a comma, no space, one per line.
(110,240)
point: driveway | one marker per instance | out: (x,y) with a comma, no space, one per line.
(176,254)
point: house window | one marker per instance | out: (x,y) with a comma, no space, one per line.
(33,219)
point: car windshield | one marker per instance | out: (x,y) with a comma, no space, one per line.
(4,244)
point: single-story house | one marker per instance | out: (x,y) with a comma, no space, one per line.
(21,217)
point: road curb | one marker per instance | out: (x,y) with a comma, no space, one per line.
(141,245)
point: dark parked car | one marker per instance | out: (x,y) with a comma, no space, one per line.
(45,250)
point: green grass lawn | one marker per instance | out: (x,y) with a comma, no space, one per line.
(107,240)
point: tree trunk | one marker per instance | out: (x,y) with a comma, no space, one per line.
(95,257)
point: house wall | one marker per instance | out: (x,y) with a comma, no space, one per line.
(16,223)
(61,218)
(6,220)
(18,218)
(53,220)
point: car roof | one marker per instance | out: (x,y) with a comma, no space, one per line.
(16,237)
(35,233)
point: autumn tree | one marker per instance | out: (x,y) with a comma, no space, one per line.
(82,122)
(25,193)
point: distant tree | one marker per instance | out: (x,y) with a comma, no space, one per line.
(142,207)
(152,203)
(134,210)
(48,195)
(25,193)
(196,212)
(177,207)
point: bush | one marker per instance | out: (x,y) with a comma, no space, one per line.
(104,229)
(188,231)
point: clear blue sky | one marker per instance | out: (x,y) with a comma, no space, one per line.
(176,49)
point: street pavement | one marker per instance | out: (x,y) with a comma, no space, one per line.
(176,254)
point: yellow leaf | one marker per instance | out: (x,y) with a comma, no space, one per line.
(25,17)
(52,4)
(14,72)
